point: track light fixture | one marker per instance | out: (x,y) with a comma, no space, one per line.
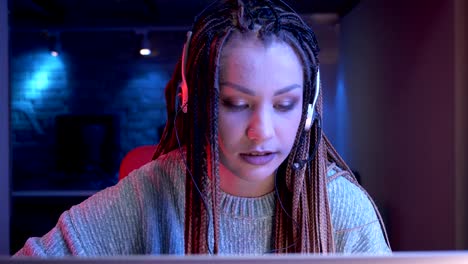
(54,44)
(145,49)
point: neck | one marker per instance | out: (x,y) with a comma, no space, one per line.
(238,186)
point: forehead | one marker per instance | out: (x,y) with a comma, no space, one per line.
(251,60)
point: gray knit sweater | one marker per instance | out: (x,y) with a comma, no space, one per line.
(144,214)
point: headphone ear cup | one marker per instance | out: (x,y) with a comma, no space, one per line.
(183,85)
(178,98)
(311,107)
(310,115)
(183,96)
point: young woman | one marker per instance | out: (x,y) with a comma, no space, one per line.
(243,166)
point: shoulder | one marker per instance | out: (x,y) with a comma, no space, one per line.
(138,188)
(357,228)
(166,169)
(350,205)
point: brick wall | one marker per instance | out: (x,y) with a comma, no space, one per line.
(96,74)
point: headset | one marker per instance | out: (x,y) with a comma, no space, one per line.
(183,87)
(312,116)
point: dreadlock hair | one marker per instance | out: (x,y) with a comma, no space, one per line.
(302,215)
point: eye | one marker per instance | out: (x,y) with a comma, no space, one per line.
(234,105)
(285,106)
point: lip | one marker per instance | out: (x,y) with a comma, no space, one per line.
(258,160)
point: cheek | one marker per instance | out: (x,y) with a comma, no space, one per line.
(230,129)
(290,127)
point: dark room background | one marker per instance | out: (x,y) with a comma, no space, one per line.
(395,91)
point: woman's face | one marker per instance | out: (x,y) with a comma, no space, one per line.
(261,94)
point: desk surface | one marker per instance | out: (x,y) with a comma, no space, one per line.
(429,257)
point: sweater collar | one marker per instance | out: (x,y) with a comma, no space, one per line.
(247,207)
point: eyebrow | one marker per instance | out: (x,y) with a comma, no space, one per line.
(246,90)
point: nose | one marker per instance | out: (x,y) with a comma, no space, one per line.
(261,125)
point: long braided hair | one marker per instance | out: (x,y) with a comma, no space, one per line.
(302,215)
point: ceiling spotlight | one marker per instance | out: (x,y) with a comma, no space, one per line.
(54,44)
(145,52)
(145,45)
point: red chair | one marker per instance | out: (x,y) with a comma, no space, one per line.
(136,158)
